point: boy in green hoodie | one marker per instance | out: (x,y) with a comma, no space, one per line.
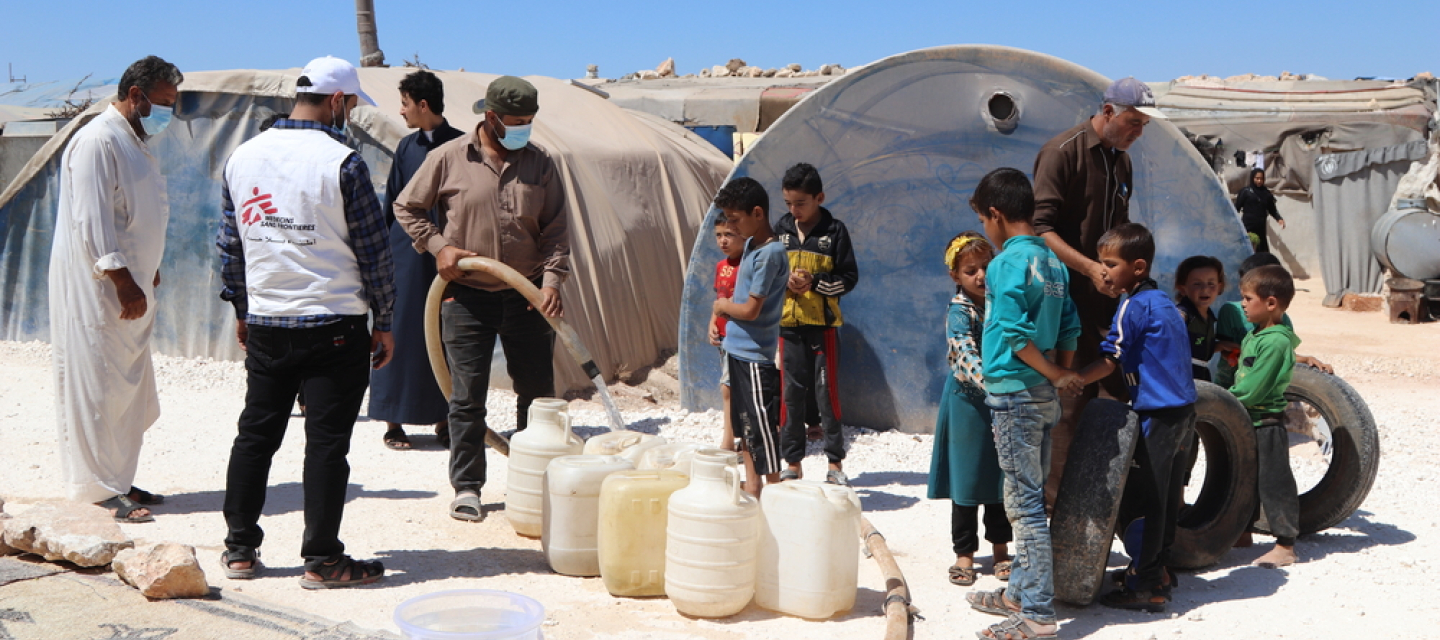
(1267,360)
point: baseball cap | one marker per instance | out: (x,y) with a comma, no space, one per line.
(330,74)
(1129,92)
(512,96)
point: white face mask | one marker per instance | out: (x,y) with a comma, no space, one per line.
(158,119)
(516,137)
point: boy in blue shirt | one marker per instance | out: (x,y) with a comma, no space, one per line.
(1150,344)
(754,329)
(1028,312)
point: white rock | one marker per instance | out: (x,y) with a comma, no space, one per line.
(754,72)
(794,67)
(718,71)
(84,534)
(162,571)
(735,64)
(704,73)
(666,68)
(649,74)
(784,73)
(770,73)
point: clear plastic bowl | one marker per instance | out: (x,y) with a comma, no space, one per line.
(470,614)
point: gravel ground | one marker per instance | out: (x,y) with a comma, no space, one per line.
(1361,579)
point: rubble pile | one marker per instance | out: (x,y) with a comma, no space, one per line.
(735,68)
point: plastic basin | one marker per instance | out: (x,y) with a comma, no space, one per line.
(470,614)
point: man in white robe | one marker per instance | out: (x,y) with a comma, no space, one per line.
(104,268)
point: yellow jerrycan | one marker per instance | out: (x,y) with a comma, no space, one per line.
(633,516)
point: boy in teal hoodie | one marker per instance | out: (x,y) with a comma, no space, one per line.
(1267,360)
(1028,315)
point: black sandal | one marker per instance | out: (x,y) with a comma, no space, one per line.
(122,508)
(251,556)
(343,571)
(143,497)
(396,439)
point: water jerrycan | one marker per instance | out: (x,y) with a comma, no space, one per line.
(671,455)
(809,559)
(711,540)
(627,444)
(633,516)
(571,515)
(548,437)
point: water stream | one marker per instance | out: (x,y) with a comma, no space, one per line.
(617,423)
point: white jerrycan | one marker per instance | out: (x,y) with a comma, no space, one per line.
(548,437)
(571,519)
(633,516)
(626,444)
(809,561)
(671,455)
(711,540)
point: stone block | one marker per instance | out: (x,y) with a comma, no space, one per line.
(162,571)
(83,534)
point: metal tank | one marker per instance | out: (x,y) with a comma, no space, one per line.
(901,144)
(1406,240)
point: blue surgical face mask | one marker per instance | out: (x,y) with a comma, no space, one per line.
(158,119)
(516,137)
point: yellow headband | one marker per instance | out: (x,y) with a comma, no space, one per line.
(954,249)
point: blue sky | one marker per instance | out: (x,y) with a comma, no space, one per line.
(1153,41)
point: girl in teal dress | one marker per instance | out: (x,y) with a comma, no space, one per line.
(964,467)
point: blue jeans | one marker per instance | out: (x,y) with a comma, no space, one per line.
(1022,423)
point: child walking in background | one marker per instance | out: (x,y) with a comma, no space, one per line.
(1149,343)
(732,246)
(964,467)
(1267,362)
(1199,281)
(1028,312)
(753,330)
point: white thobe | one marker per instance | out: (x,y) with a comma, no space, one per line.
(113,214)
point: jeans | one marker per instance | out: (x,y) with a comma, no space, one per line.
(470,321)
(1022,423)
(332,363)
(808,358)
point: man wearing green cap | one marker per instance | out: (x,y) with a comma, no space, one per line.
(499,196)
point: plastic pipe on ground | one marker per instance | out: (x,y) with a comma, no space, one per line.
(897,608)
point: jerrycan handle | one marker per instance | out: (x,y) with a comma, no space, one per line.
(733,479)
(570,437)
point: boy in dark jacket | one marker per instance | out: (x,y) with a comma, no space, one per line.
(822,268)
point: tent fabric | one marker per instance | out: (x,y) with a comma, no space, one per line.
(637,189)
(900,145)
(1352,191)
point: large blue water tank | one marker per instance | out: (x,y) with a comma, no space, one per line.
(900,144)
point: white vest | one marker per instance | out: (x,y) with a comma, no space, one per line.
(290,213)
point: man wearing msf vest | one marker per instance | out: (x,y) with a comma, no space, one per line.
(497,195)
(305,255)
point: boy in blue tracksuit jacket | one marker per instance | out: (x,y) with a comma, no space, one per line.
(1150,344)
(1028,315)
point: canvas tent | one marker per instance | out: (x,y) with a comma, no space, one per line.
(1291,126)
(900,144)
(637,188)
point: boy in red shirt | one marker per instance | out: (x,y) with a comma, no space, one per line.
(732,245)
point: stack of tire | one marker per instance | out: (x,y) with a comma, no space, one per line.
(1088,505)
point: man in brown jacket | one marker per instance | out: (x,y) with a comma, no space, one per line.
(496,195)
(1083,185)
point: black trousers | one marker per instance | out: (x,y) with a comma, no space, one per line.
(1157,485)
(333,365)
(471,320)
(1279,496)
(963,527)
(808,358)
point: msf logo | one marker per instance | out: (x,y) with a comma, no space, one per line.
(255,208)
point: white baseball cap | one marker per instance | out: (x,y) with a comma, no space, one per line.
(330,74)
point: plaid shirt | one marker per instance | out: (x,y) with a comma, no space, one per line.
(369,239)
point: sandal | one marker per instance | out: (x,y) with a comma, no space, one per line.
(1013,628)
(343,571)
(396,440)
(789,474)
(992,602)
(122,508)
(143,497)
(963,576)
(466,506)
(1002,570)
(232,556)
(836,476)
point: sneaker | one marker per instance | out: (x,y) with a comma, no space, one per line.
(1142,600)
